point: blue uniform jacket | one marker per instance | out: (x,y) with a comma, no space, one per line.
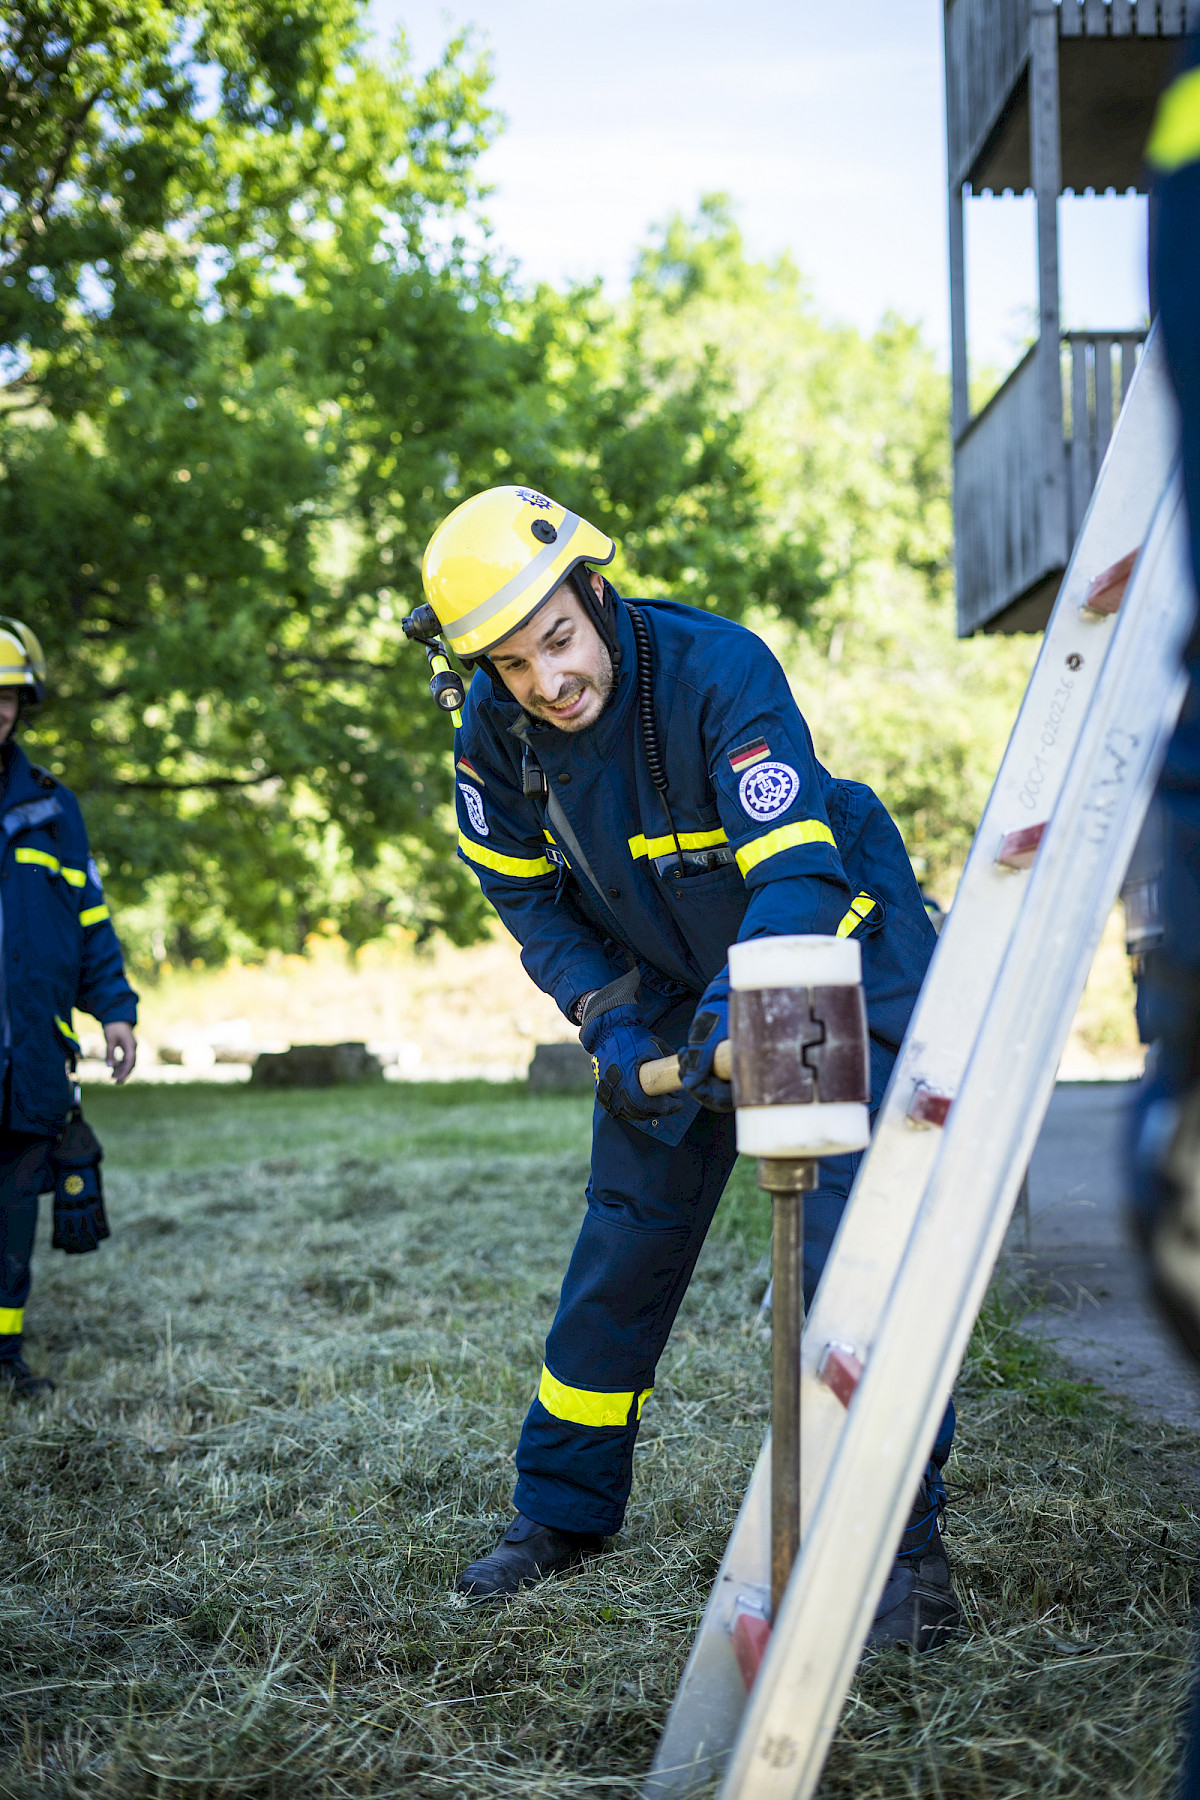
(59,946)
(579,875)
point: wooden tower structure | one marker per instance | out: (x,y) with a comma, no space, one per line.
(1041,96)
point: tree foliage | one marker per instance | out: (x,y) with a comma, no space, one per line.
(251,364)
(846,442)
(250,359)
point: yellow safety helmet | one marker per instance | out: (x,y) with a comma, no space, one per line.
(22,662)
(497,558)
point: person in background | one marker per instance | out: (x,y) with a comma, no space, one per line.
(1165,1199)
(58,950)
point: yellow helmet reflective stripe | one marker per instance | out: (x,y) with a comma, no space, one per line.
(497,558)
(22,663)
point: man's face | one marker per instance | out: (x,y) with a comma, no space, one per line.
(10,706)
(558,666)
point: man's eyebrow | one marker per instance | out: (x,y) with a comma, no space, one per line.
(551,631)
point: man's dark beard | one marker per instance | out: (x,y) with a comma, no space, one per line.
(604,686)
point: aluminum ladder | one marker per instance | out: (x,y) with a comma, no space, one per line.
(929,1210)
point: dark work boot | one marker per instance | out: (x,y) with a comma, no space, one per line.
(20,1380)
(527,1552)
(919,1606)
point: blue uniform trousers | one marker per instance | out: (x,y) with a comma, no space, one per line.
(24,1173)
(649,1207)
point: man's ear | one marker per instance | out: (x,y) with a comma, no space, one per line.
(597,582)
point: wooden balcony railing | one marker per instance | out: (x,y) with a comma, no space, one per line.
(1097,369)
(1013,532)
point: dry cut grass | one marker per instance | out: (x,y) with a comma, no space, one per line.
(290,1386)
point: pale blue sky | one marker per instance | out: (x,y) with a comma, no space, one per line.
(823,120)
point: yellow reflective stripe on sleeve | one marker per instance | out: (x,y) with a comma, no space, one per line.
(525,868)
(1175,134)
(43,859)
(92,915)
(640,846)
(12,1318)
(65,1029)
(583,1406)
(784,837)
(860,908)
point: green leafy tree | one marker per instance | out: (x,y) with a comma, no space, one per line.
(846,442)
(247,375)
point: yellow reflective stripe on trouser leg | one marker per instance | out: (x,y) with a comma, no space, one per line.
(525,868)
(860,908)
(1175,134)
(784,837)
(12,1319)
(92,915)
(585,1406)
(640,846)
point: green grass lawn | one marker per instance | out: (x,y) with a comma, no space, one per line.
(290,1386)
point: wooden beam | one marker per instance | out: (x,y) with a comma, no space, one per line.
(1045,152)
(960,404)
(1095,18)
(1071,18)
(1147,18)
(1122,18)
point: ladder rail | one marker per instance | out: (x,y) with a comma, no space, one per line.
(896,1170)
(940,1282)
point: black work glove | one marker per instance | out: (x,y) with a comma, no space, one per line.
(709,1028)
(79,1221)
(618,1043)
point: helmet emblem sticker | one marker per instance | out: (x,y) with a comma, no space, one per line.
(474,802)
(533,498)
(768,790)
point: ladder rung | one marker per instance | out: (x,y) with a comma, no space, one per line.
(840,1369)
(1019,847)
(1107,591)
(928,1107)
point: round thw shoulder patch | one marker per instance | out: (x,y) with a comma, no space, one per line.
(767,790)
(474,800)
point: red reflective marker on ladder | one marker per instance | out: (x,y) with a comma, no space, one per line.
(751,1635)
(928,1107)
(1019,847)
(1107,591)
(841,1371)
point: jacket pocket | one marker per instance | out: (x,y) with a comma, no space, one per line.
(708,909)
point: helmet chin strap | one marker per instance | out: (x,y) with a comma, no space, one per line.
(602,613)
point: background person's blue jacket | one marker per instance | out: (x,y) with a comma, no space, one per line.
(806,852)
(59,947)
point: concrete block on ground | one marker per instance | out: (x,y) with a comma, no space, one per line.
(316,1065)
(561,1069)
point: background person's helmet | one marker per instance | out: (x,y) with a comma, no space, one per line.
(497,558)
(22,663)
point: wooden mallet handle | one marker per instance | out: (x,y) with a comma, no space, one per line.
(663,1077)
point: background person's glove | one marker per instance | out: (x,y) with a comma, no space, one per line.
(618,1042)
(79,1221)
(709,1028)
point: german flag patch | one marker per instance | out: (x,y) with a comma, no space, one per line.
(747,754)
(470,771)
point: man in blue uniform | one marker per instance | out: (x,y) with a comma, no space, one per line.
(637,790)
(1166,1158)
(58,950)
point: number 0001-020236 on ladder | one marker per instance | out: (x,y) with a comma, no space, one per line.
(1079,764)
